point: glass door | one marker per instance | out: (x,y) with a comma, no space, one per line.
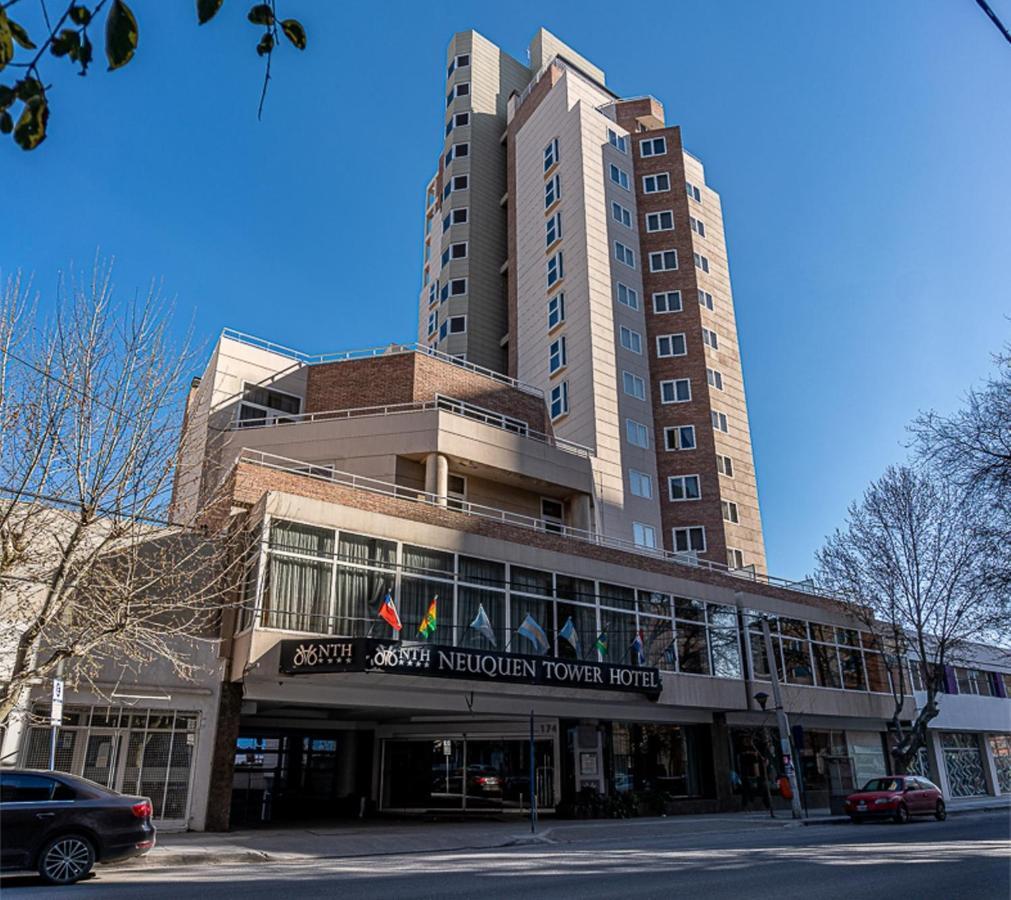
(101,756)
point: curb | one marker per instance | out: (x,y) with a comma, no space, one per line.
(845,820)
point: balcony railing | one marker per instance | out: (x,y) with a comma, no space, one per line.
(444,404)
(389,489)
(370,352)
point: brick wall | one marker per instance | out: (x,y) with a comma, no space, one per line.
(251,481)
(413,377)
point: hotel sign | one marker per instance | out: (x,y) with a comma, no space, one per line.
(312,655)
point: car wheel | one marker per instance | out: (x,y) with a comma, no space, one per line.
(66,859)
(902,814)
(940,813)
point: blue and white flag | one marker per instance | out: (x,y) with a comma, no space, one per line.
(534,633)
(483,625)
(568,632)
(639,649)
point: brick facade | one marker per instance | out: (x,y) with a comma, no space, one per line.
(413,377)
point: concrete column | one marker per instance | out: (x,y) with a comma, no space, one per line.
(935,762)
(219,790)
(437,476)
(579,511)
(347,763)
(989,766)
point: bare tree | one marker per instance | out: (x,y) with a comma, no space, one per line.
(91,574)
(973,447)
(911,558)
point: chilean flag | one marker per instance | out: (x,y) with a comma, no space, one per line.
(388,612)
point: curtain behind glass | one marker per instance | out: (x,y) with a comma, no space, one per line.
(542,612)
(415,596)
(468,600)
(620,629)
(584,618)
(298,595)
(658,636)
(299,538)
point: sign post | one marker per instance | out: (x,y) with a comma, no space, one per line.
(55,717)
(533,783)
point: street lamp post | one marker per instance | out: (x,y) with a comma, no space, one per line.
(783,722)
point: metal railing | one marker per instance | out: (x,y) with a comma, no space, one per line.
(391,349)
(444,404)
(505,517)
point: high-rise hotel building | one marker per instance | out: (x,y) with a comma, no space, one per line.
(572,243)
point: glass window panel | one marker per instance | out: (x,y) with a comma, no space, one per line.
(421,558)
(726,652)
(797,662)
(852,669)
(297,597)
(758,658)
(823,633)
(691,610)
(415,596)
(299,538)
(723,616)
(826,666)
(584,618)
(693,650)
(658,636)
(530,580)
(358,548)
(469,600)
(654,603)
(847,636)
(877,673)
(615,595)
(482,571)
(540,610)
(620,630)
(581,590)
(793,628)
(358,595)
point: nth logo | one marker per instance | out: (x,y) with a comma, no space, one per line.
(311,655)
(392,656)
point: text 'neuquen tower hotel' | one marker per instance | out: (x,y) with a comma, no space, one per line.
(572,243)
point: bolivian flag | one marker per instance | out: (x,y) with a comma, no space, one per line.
(601,643)
(429,623)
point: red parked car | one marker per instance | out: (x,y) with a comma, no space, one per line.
(897,797)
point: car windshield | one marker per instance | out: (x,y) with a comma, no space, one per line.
(883,784)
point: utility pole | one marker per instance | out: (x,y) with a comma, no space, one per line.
(782,721)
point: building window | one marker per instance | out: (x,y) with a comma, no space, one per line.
(457,151)
(619,176)
(627,296)
(644,535)
(433,292)
(559,400)
(698,226)
(667,302)
(454,251)
(454,217)
(557,357)
(676,390)
(433,323)
(640,484)
(637,433)
(619,142)
(556,311)
(671,345)
(620,214)
(656,184)
(553,229)
(724,465)
(551,154)
(552,515)
(624,254)
(729,511)
(555,269)
(457,287)
(735,559)
(693,192)
(715,379)
(705,299)
(458,325)
(684,487)
(633,385)
(443,330)
(710,339)
(552,191)
(690,540)
(630,340)
(459,120)
(458,90)
(458,63)
(720,421)
(679,437)
(653,147)
(663,261)
(456,491)
(457,183)
(660,221)
(701,262)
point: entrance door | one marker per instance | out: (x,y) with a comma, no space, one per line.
(425,774)
(101,756)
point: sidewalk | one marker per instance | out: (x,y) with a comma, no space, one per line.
(382,837)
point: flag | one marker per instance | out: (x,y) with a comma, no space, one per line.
(639,649)
(534,633)
(600,644)
(429,623)
(483,625)
(569,633)
(388,612)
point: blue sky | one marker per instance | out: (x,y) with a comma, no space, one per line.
(861,149)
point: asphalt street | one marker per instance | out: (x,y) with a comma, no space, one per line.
(968,856)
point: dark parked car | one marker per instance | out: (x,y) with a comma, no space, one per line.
(897,797)
(61,825)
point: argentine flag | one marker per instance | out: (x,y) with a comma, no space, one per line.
(639,649)
(568,632)
(482,624)
(534,633)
